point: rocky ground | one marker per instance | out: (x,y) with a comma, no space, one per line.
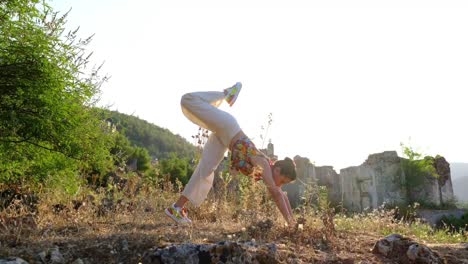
(160,241)
(137,231)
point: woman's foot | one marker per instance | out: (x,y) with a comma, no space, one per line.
(179,215)
(232,93)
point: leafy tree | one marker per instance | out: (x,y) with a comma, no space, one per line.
(46,96)
(176,168)
(48,123)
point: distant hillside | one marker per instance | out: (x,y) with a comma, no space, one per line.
(459,173)
(159,142)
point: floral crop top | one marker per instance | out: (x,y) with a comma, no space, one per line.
(241,156)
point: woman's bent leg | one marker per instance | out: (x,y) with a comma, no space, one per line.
(201,181)
(202,109)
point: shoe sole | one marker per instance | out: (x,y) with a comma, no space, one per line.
(236,95)
(172,217)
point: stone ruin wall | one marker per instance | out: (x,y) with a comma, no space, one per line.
(379,180)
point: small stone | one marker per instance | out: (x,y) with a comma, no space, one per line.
(13,260)
(56,257)
(273,248)
(42,256)
(281,246)
(125,245)
(78,261)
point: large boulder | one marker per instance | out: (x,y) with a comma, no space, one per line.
(223,252)
(379,180)
(404,250)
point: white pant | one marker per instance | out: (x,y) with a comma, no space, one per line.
(202,109)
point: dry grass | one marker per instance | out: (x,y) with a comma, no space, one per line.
(98,226)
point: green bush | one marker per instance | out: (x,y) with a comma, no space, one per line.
(143,159)
(176,168)
(416,168)
(454,224)
(462,204)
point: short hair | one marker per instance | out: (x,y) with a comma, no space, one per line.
(287,167)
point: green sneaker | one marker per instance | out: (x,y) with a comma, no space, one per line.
(179,215)
(232,93)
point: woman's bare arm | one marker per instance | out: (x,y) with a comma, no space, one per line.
(288,205)
(274,190)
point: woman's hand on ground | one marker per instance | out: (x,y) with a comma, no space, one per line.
(292,222)
(258,176)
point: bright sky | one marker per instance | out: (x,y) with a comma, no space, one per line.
(343,79)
